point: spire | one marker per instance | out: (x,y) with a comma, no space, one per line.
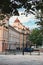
(17,20)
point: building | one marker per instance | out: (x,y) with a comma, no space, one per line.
(3,38)
(13,37)
(24,31)
(9,38)
(3,33)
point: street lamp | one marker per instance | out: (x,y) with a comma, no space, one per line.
(23,40)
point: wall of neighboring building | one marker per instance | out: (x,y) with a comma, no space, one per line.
(3,34)
(3,38)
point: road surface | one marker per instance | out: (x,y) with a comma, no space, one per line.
(21,59)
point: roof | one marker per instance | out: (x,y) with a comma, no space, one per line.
(17,20)
(19,26)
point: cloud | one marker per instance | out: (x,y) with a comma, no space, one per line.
(28,21)
(31,24)
(22,18)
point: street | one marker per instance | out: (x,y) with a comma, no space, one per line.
(21,59)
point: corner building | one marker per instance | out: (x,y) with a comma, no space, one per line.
(11,37)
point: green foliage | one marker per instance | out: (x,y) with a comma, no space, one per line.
(40,16)
(36,37)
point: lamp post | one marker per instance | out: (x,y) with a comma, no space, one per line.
(23,40)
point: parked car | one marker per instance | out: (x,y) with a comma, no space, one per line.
(28,49)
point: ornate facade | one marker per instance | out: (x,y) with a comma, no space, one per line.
(22,29)
(13,37)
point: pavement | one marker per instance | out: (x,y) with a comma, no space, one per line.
(26,59)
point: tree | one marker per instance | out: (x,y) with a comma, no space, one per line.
(6,6)
(40,16)
(11,7)
(36,37)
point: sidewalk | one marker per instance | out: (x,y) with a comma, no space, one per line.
(21,60)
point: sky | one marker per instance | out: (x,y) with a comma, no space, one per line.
(28,21)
